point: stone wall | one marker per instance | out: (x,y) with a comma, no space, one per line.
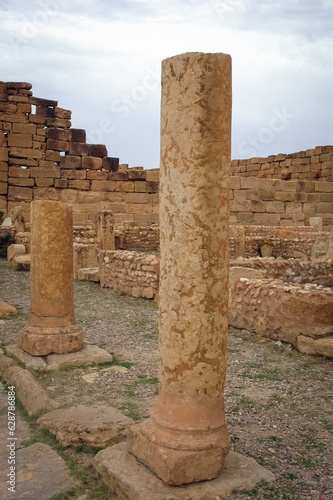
(131,237)
(319,271)
(42,157)
(275,202)
(300,315)
(312,164)
(130,273)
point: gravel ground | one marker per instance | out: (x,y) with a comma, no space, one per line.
(278,401)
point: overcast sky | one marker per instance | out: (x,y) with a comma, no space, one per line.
(102,59)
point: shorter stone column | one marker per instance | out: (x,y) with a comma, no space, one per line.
(105,230)
(51,327)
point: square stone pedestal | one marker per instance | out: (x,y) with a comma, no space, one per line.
(128,478)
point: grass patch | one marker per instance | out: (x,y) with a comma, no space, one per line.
(131,410)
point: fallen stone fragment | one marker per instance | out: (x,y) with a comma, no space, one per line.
(88,355)
(35,362)
(33,397)
(126,477)
(91,426)
(21,262)
(40,474)
(7,310)
(308,345)
(15,249)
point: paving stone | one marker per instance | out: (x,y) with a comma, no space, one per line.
(93,426)
(125,476)
(88,355)
(34,362)
(40,474)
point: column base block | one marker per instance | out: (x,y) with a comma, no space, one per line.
(126,477)
(40,341)
(179,464)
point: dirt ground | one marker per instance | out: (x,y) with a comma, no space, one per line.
(278,401)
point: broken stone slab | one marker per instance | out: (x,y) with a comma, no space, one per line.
(308,345)
(7,310)
(31,394)
(92,426)
(34,362)
(89,274)
(14,250)
(21,262)
(88,355)
(41,474)
(129,479)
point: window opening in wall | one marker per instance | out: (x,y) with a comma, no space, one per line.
(62,153)
(33,109)
(24,167)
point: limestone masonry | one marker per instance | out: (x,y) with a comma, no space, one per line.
(43,157)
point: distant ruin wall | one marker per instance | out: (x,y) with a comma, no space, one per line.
(42,157)
(312,164)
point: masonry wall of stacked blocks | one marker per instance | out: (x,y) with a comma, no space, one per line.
(272,199)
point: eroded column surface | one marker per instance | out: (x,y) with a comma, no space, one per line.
(51,327)
(185,440)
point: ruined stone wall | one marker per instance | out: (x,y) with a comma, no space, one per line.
(312,164)
(42,157)
(275,202)
(130,237)
(319,271)
(130,273)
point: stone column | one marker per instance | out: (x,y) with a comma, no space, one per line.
(185,440)
(105,230)
(51,327)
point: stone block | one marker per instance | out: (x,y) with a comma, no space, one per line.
(62,113)
(3,166)
(244,217)
(125,186)
(249,183)
(18,181)
(141,198)
(20,140)
(89,274)
(90,426)
(103,185)
(294,208)
(146,187)
(266,219)
(53,172)
(73,174)
(23,162)
(24,128)
(134,174)
(92,163)
(153,176)
(16,193)
(96,175)
(6,310)
(275,207)
(26,153)
(3,176)
(77,135)
(60,183)
(38,119)
(98,150)
(57,145)
(4,154)
(58,123)
(110,163)
(52,156)
(78,148)
(83,185)
(117,176)
(44,181)
(88,355)
(21,262)
(71,162)
(321,346)
(3,188)
(38,101)
(58,134)
(69,195)
(324,187)
(13,118)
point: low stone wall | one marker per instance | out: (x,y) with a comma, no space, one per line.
(314,164)
(299,314)
(319,271)
(131,237)
(129,273)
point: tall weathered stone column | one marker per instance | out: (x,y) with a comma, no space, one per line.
(105,230)
(51,327)
(185,440)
